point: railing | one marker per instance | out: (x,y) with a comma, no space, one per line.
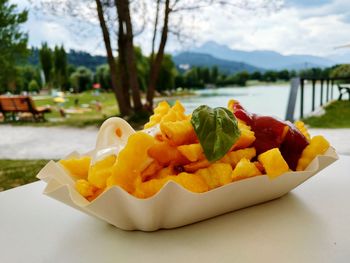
(327,83)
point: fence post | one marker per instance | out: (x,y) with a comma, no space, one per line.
(327,87)
(321,95)
(294,85)
(301,98)
(332,89)
(313,94)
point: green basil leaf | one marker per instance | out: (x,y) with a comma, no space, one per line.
(216,129)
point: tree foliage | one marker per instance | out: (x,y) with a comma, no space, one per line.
(45,56)
(13,42)
(341,71)
(81,79)
(60,67)
(167,74)
(103,77)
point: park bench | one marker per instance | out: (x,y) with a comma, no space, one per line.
(343,90)
(12,106)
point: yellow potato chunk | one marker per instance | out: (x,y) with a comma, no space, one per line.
(159,112)
(166,154)
(101,170)
(193,152)
(273,162)
(216,175)
(149,188)
(85,188)
(234,157)
(163,113)
(131,161)
(176,113)
(77,167)
(151,171)
(192,167)
(165,172)
(247,137)
(318,145)
(301,127)
(244,169)
(178,132)
(191,182)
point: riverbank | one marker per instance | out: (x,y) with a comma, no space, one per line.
(336,115)
(253,83)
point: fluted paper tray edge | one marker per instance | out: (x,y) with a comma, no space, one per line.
(174,206)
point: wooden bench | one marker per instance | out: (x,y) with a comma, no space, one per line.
(12,106)
(343,90)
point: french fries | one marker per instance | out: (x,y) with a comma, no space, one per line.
(174,153)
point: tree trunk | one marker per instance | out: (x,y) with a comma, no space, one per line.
(124,108)
(156,64)
(127,50)
(154,33)
(124,80)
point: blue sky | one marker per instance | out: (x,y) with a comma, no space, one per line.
(299,27)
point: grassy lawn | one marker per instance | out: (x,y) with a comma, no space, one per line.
(337,116)
(19,172)
(86,111)
(83,114)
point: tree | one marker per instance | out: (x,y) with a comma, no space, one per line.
(142,66)
(168,72)
(242,78)
(121,92)
(341,71)
(60,66)
(214,73)
(33,86)
(81,79)
(172,8)
(13,42)
(206,75)
(45,57)
(166,10)
(256,75)
(270,76)
(24,75)
(103,77)
(311,73)
(127,60)
(283,75)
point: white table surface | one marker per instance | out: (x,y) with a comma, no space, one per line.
(310,224)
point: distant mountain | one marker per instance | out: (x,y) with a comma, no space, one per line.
(343,58)
(76,58)
(262,58)
(184,59)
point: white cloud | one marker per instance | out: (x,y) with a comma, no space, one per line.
(291,30)
(295,29)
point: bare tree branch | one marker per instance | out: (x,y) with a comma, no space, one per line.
(155,30)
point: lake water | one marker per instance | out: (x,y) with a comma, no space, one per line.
(265,100)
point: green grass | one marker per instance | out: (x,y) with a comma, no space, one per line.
(91,117)
(266,83)
(337,116)
(19,172)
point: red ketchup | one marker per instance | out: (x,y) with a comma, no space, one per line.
(271,133)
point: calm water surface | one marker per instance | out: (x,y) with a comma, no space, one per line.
(265,100)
